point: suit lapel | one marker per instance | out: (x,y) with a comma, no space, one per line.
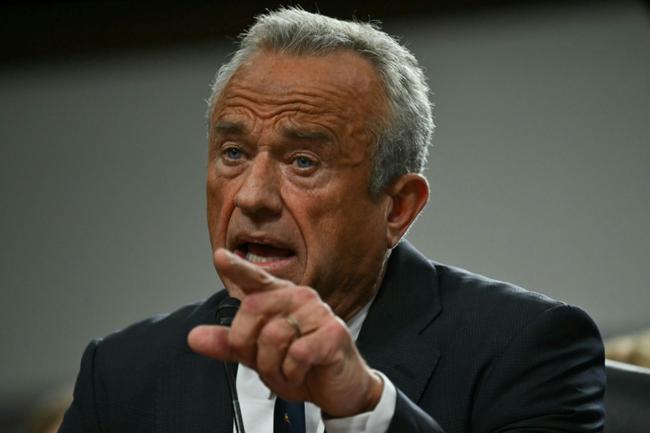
(396,337)
(193,397)
(192,393)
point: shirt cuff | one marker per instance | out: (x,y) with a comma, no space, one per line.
(375,421)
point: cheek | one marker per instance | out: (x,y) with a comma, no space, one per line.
(334,224)
(220,205)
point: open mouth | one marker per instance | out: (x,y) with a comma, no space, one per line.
(262,253)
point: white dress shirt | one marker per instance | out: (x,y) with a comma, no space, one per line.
(257,402)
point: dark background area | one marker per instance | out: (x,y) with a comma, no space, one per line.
(42,31)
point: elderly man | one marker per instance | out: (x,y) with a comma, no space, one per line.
(319,131)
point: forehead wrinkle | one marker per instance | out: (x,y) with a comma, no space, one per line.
(331,123)
(322,99)
(265,111)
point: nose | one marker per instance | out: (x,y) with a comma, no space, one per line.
(259,195)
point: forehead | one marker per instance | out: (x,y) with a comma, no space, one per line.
(341,84)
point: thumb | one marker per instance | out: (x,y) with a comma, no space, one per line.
(210,341)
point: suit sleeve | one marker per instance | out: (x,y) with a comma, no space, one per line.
(81,416)
(549,379)
(409,418)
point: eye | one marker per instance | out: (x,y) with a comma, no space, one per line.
(232,153)
(304,162)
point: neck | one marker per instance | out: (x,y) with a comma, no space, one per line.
(357,293)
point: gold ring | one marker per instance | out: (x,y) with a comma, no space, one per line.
(294,324)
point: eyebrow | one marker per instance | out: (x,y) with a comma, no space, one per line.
(225,127)
(305,134)
(232,128)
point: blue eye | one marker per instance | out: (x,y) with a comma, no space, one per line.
(304,162)
(233,153)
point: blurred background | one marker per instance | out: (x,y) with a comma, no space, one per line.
(540,171)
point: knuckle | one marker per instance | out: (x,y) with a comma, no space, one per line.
(293,372)
(272,334)
(337,330)
(250,304)
(307,294)
(266,279)
(300,352)
(328,308)
(324,310)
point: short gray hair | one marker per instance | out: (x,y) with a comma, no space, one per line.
(403,144)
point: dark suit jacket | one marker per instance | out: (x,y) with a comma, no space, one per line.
(466,353)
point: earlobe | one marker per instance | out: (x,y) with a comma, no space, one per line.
(409,194)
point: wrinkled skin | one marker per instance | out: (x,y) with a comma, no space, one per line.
(293,227)
(308,194)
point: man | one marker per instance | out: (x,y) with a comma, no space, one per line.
(318,134)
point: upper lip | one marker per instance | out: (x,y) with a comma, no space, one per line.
(258,238)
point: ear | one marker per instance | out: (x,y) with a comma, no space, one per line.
(408,193)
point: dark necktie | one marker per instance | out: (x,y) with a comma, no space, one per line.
(288,416)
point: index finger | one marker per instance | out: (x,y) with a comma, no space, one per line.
(248,277)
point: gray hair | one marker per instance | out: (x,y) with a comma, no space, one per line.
(403,144)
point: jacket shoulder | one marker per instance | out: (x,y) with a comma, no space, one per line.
(127,364)
(156,336)
(474,291)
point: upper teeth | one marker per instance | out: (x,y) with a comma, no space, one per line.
(260,259)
